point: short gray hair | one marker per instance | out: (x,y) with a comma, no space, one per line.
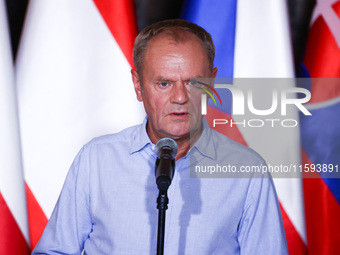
(172,27)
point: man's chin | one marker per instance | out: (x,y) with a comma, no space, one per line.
(179,136)
(183,134)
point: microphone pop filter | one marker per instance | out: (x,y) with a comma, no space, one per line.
(167,142)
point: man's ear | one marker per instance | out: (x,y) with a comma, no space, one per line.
(214,73)
(137,84)
(213,76)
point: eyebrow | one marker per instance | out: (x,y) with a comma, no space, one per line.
(161,78)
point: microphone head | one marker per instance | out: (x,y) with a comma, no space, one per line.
(167,142)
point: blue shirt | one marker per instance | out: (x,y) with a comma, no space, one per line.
(108,202)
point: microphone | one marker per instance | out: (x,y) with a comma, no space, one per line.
(166,150)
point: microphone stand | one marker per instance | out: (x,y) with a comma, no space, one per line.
(165,166)
(162,206)
(164,171)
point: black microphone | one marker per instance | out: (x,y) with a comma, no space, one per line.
(166,150)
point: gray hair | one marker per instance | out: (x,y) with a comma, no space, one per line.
(174,28)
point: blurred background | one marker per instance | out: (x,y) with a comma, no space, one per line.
(65,78)
(151,11)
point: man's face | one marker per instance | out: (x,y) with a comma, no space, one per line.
(172,107)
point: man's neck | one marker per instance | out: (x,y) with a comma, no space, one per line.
(184,143)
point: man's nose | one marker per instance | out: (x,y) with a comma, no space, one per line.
(180,94)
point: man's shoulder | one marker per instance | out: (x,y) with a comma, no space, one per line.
(228,146)
(126,135)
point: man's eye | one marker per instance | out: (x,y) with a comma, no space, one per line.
(163,84)
(193,83)
(190,83)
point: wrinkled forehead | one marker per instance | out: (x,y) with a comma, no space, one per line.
(185,46)
(174,39)
(167,57)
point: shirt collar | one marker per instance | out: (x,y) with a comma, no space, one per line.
(205,144)
(141,138)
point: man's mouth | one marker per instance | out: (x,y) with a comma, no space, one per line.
(179,113)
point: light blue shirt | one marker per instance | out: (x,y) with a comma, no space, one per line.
(108,202)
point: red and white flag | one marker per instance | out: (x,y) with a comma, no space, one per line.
(74,83)
(263,50)
(13,214)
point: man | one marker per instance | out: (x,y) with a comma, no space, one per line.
(108,202)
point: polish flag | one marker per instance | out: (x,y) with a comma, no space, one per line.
(74,83)
(263,50)
(13,214)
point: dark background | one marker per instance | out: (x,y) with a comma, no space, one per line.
(150,11)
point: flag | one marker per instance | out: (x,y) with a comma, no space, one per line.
(13,213)
(252,41)
(321,133)
(74,83)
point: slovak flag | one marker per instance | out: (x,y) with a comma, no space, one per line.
(321,133)
(74,83)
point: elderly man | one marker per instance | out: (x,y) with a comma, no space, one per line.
(108,202)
